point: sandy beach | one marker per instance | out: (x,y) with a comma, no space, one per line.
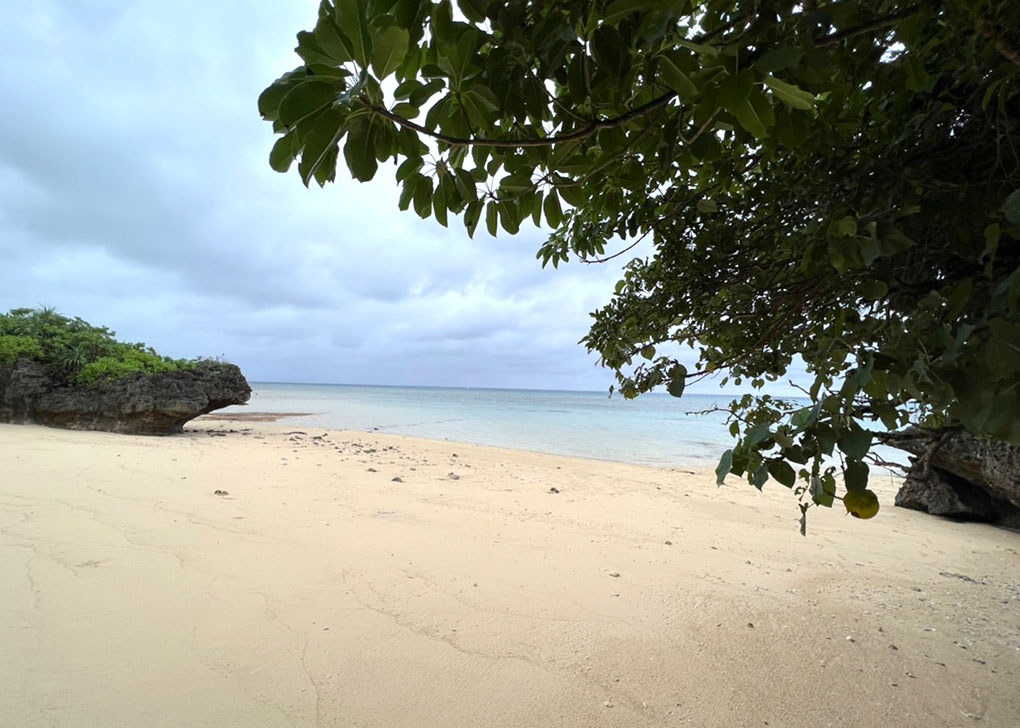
(255,574)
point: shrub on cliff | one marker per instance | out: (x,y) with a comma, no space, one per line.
(14,347)
(73,350)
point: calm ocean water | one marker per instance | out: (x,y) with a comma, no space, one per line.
(654,429)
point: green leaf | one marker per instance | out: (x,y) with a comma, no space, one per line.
(782,437)
(805,416)
(478,112)
(309,50)
(269,99)
(472,216)
(782,472)
(510,217)
(465,184)
(1011,208)
(325,134)
(757,433)
(735,96)
(750,120)
(422,94)
(959,298)
(553,213)
(610,51)
(855,441)
(790,94)
(535,203)
(304,100)
(622,8)
(778,60)
(723,468)
(575,195)
(515,184)
(855,475)
(407,192)
(735,90)
(406,111)
(845,227)
(492,218)
(405,89)
(359,151)
(677,380)
(873,289)
(670,64)
(439,201)
(992,235)
(350,17)
(473,10)
(332,42)
(916,78)
(700,48)
(761,476)
(325,170)
(763,108)
(1002,351)
(422,200)
(823,490)
(389,50)
(1002,357)
(282,154)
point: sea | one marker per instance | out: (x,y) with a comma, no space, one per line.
(654,429)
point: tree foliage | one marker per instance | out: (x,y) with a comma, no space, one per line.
(836,181)
(74,351)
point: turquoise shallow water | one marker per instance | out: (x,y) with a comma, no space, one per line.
(653,429)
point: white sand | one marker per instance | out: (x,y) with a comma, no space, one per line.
(318,593)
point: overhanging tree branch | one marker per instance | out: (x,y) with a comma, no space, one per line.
(582,133)
(887,21)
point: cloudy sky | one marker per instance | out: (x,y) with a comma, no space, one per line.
(135,193)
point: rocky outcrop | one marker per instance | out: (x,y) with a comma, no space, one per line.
(942,494)
(143,404)
(957,474)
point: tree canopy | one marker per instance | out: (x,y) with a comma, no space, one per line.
(836,181)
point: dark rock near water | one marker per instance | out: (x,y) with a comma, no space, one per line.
(141,404)
(942,494)
(957,474)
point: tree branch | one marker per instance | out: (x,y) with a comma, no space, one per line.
(883,22)
(578,134)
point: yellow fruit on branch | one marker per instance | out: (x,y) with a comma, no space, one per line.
(861,503)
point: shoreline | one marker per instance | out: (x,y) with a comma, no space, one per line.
(348,578)
(276,425)
(250,416)
(652,431)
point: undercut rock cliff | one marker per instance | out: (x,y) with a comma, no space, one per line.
(141,404)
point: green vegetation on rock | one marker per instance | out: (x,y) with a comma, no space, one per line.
(835,180)
(73,351)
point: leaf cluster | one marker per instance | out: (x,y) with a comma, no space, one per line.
(835,181)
